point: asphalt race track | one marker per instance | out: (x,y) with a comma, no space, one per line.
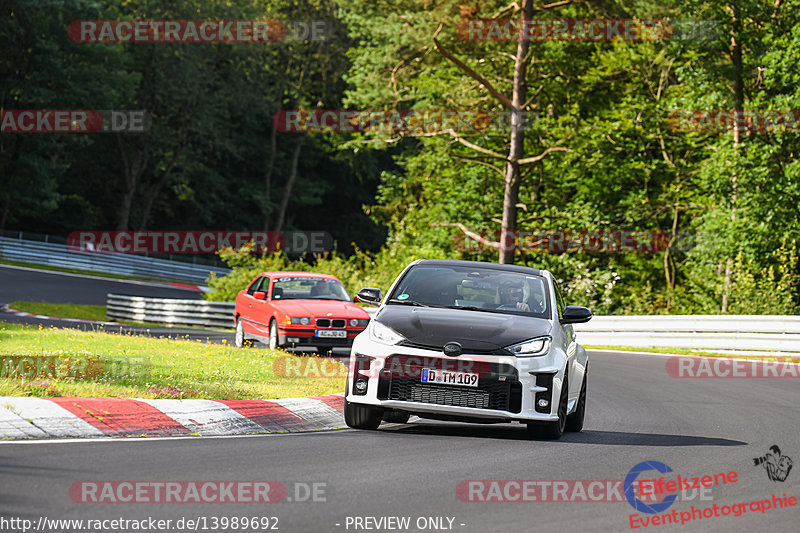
(22,284)
(635,412)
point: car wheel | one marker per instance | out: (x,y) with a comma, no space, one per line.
(239,338)
(273,335)
(361,416)
(396,417)
(553,430)
(575,420)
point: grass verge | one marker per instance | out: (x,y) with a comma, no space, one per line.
(96,313)
(38,361)
(682,351)
(82,312)
(91,273)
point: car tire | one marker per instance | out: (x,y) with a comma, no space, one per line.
(361,416)
(575,420)
(553,430)
(396,417)
(273,335)
(239,338)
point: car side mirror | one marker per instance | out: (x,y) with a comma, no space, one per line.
(369,296)
(574,314)
(260,295)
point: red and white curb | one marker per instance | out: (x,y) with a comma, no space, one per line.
(190,287)
(74,417)
(7,310)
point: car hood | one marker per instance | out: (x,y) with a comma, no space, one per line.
(321,308)
(474,330)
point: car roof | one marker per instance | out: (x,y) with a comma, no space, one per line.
(298,275)
(482,264)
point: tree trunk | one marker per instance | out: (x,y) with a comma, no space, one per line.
(287,190)
(516,149)
(4,218)
(738,107)
(155,190)
(669,268)
(269,165)
(131,173)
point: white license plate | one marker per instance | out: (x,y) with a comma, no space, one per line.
(446,377)
(332,333)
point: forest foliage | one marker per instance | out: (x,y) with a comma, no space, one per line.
(598,114)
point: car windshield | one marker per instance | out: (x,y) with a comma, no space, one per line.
(297,288)
(474,288)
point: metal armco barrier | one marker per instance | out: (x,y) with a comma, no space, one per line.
(763,333)
(45,253)
(169,311)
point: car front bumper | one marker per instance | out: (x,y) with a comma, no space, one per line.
(508,388)
(304,336)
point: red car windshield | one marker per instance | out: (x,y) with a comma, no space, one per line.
(295,288)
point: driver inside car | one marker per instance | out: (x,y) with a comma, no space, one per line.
(511,296)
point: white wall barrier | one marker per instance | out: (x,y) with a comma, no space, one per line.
(169,311)
(54,254)
(764,333)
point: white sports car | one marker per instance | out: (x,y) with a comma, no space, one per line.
(473,342)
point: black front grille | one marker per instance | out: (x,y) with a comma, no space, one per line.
(329,341)
(498,395)
(449,396)
(327,323)
(498,383)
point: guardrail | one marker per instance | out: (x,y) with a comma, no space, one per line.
(173,311)
(780,334)
(54,254)
(169,311)
(763,333)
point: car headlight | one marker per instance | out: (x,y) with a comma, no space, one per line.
(303,321)
(530,348)
(359,322)
(384,334)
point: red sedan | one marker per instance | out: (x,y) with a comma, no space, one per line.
(297,309)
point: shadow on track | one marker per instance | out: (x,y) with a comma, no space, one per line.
(517,432)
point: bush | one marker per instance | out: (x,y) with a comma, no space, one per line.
(362,269)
